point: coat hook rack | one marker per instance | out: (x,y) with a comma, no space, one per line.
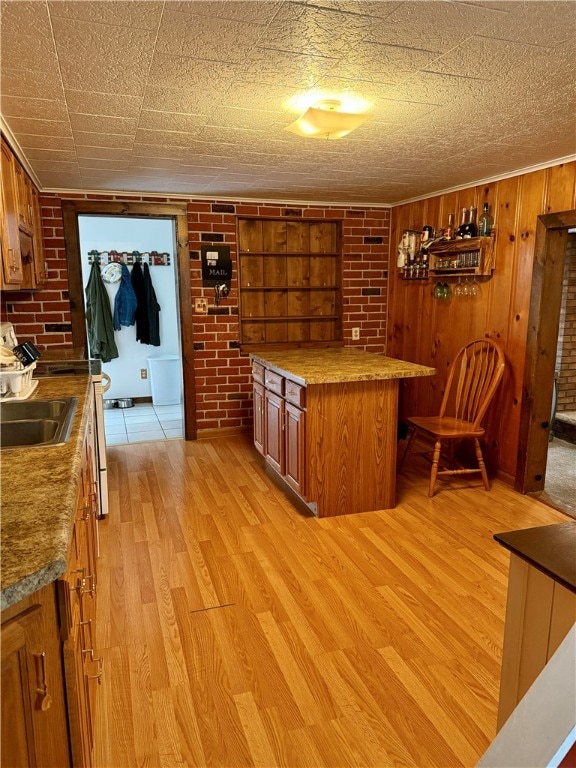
(152,258)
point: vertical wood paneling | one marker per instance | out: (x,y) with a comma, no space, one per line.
(560,188)
(428,331)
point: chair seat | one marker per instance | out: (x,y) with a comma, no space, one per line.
(446,426)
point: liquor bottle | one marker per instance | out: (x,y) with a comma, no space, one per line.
(485,222)
(470,228)
(462,227)
(448,232)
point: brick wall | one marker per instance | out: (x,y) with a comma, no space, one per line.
(223,386)
(566,350)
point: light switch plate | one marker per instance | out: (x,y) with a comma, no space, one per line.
(201,306)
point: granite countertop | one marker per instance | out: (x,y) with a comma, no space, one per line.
(38,503)
(335,365)
(550,548)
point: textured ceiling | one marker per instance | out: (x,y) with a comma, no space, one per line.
(193,97)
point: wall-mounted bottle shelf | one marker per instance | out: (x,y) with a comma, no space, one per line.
(471,256)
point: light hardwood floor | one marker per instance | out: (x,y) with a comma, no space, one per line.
(237,632)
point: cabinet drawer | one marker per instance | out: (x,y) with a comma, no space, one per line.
(295,393)
(274,382)
(258,372)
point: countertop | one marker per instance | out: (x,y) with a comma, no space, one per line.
(335,365)
(550,548)
(38,502)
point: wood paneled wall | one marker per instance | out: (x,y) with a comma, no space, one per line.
(426,330)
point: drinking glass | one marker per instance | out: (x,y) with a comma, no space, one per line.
(458,288)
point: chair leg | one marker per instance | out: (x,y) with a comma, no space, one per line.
(434,470)
(411,437)
(481,464)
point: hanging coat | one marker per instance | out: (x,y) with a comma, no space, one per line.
(153,309)
(142,329)
(147,311)
(99,318)
(125,302)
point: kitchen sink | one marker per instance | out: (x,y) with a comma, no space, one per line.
(36,422)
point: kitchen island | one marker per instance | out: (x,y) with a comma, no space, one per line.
(326,422)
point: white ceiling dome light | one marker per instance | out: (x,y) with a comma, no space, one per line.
(326,120)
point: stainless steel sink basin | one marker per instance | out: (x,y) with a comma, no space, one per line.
(36,422)
(18,410)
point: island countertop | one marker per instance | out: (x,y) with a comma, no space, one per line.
(334,365)
(549,548)
(39,487)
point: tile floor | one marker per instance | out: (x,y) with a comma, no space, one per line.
(143,422)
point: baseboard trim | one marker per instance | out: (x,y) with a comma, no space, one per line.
(210,434)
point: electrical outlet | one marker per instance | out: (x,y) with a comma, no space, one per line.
(201,306)
(355,334)
(143,373)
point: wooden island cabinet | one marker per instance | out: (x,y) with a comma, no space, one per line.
(325,421)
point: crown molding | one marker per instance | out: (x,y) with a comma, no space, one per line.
(489,180)
(18,151)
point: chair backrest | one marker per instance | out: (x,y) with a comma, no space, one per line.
(473,379)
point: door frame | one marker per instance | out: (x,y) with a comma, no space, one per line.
(178,212)
(541,345)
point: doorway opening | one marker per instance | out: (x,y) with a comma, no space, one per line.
(177,334)
(539,457)
(560,481)
(145,379)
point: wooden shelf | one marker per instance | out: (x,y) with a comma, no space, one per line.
(289,287)
(471,256)
(290,277)
(286,318)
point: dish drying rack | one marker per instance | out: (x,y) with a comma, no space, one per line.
(16,381)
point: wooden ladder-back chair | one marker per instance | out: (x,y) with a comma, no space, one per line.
(473,379)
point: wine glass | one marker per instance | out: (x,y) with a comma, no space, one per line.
(474,287)
(446,292)
(458,288)
(438,291)
(466,287)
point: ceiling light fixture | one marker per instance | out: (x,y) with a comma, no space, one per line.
(326,120)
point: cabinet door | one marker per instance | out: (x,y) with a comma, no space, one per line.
(11,262)
(23,198)
(294,471)
(34,730)
(274,422)
(259,417)
(40,274)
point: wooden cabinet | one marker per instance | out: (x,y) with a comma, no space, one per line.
(23,260)
(40,273)
(295,446)
(83,668)
(290,281)
(34,730)
(11,274)
(259,417)
(23,198)
(274,425)
(50,669)
(279,425)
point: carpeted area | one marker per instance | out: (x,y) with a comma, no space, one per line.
(560,485)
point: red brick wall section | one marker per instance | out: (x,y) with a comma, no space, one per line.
(223,384)
(566,350)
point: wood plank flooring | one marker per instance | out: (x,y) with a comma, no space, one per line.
(237,632)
